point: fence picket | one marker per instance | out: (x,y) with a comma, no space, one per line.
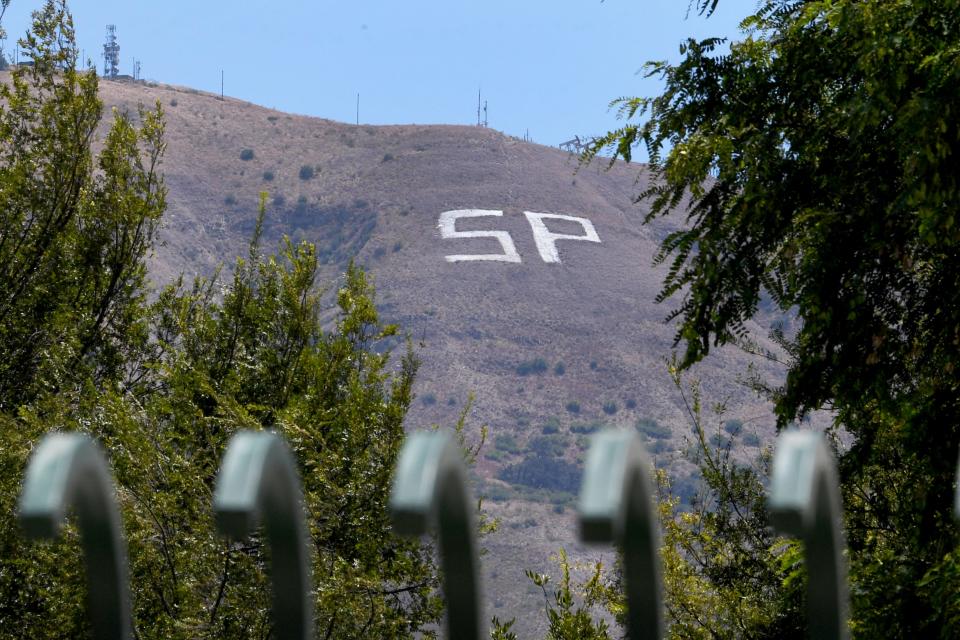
(258,481)
(430,488)
(616,505)
(68,471)
(805,502)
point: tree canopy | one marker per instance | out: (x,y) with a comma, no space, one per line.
(163,379)
(817,156)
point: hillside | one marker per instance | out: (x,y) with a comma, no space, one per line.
(551,345)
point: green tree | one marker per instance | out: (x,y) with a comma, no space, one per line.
(725,574)
(568,619)
(163,384)
(74,230)
(817,159)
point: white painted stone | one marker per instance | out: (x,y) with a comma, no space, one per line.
(448,229)
(547,240)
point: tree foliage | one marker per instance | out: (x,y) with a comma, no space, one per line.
(570,608)
(817,159)
(163,381)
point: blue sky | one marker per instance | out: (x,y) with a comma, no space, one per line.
(550,67)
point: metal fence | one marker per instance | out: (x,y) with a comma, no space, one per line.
(257,483)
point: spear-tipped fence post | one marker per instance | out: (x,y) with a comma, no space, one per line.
(67,471)
(430,489)
(257,482)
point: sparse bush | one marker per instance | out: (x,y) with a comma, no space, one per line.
(652,429)
(173,102)
(733,427)
(535,366)
(551,426)
(586,427)
(306,172)
(543,473)
(751,440)
(268,176)
(397,246)
(506,442)
(551,446)
(387,157)
(631,403)
(429,399)
(230,200)
(378,253)
(720,441)
(657,446)
(451,402)
(246,154)
(573,407)
(498,493)
(593,365)
(272,118)
(559,369)
(610,408)
(279,200)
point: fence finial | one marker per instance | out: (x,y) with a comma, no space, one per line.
(67,471)
(430,486)
(616,505)
(805,502)
(258,480)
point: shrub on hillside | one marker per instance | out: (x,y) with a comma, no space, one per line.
(586,427)
(573,407)
(751,440)
(532,367)
(552,425)
(306,172)
(733,427)
(506,442)
(246,154)
(653,429)
(268,176)
(551,446)
(543,473)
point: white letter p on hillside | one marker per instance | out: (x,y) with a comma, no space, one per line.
(547,240)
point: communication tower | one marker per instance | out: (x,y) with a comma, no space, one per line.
(111,53)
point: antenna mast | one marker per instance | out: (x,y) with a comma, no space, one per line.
(111,53)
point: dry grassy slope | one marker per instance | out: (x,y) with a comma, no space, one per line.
(380,190)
